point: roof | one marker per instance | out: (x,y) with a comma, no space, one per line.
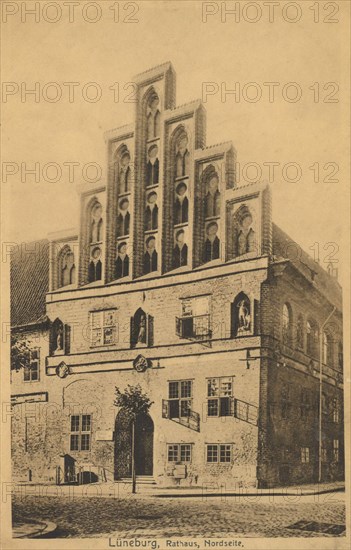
(29,282)
(284,247)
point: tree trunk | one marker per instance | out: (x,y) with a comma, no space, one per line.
(133,458)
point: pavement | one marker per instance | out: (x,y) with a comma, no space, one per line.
(112,509)
(116,489)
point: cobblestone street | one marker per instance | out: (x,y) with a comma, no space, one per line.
(137,516)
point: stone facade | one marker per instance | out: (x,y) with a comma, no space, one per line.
(211,332)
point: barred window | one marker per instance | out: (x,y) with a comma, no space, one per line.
(80,437)
(219,453)
(305,455)
(103,327)
(179,452)
(31,372)
(219,396)
(336,450)
(180,398)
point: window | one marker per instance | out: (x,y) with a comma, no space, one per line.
(180,398)
(286,323)
(179,453)
(305,404)
(299,332)
(80,432)
(305,455)
(335,406)
(219,453)
(244,234)
(66,267)
(31,372)
(285,401)
(336,450)
(327,349)
(311,337)
(103,327)
(324,454)
(340,357)
(219,396)
(195,319)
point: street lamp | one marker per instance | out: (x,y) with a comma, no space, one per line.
(321,331)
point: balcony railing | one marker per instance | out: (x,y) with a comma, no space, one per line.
(190,420)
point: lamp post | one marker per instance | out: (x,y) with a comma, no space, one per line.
(321,331)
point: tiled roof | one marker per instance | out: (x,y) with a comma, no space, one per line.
(285,247)
(29,282)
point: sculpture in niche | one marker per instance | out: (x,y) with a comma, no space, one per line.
(95,265)
(180,251)
(245,235)
(122,261)
(123,219)
(151,212)
(139,329)
(213,197)
(153,118)
(241,315)
(96,223)
(124,174)
(152,168)
(182,157)
(150,256)
(212,243)
(57,338)
(181,204)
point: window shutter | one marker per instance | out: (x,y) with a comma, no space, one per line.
(132,333)
(67,339)
(51,339)
(178,325)
(150,330)
(165,408)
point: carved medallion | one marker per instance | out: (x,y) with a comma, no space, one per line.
(140,363)
(62,370)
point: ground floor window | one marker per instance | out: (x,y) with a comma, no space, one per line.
(336,450)
(218,453)
(305,455)
(80,437)
(179,452)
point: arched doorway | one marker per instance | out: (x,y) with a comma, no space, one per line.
(144,445)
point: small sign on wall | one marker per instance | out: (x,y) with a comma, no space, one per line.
(104,435)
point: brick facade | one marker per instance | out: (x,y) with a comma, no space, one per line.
(238,335)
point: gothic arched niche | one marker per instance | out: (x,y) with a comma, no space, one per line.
(210,181)
(152,166)
(141,329)
(122,169)
(182,155)
(244,233)
(153,114)
(59,338)
(95,232)
(241,316)
(66,267)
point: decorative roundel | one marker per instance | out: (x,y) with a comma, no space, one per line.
(62,370)
(140,363)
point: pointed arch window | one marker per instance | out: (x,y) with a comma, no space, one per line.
(212,197)
(123,170)
(299,332)
(153,117)
(327,356)
(286,323)
(244,234)
(182,157)
(311,337)
(67,269)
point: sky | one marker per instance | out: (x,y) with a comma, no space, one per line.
(298,127)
